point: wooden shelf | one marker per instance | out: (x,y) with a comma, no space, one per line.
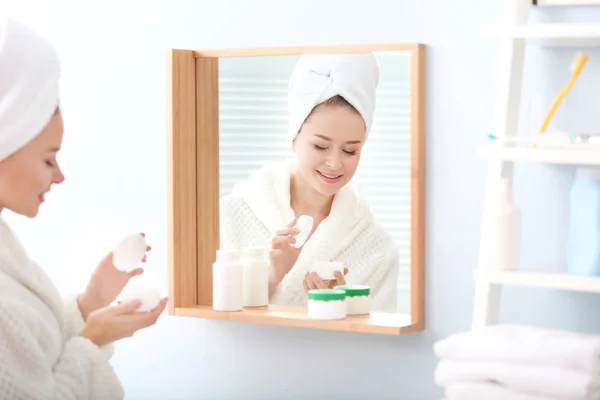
(551,35)
(378,323)
(541,155)
(542,280)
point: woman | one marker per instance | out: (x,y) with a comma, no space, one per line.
(331,106)
(48,349)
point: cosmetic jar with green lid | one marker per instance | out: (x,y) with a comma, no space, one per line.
(326,304)
(358,298)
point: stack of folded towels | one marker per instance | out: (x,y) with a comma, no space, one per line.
(516,362)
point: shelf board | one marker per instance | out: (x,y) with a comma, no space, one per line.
(542,280)
(541,155)
(378,323)
(550,35)
(567,3)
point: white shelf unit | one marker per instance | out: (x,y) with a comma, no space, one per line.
(515,35)
(545,280)
(550,35)
(566,2)
(541,155)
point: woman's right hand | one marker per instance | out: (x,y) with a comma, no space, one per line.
(282,254)
(109,324)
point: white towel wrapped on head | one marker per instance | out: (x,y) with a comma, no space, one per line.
(524,345)
(29,85)
(560,383)
(319,77)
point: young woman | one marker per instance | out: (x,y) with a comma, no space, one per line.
(331,107)
(48,349)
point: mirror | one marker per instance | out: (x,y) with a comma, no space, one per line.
(255,146)
(248,155)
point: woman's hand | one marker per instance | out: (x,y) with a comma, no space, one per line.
(106,283)
(313,281)
(282,254)
(109,324)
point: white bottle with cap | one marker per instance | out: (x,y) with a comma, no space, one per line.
(228,281)
(502,226)
(256,277)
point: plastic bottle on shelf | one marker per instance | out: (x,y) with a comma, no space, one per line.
(501,230)
(583,238)
(256,277)
(228,281)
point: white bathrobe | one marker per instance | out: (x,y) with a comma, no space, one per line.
(260,205)
(41,355)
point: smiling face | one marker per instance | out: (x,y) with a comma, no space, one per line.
(329,145)
(27,174)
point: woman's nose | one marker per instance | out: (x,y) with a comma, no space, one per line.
(333,161)
(58,176)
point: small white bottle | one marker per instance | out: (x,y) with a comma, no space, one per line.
(502,232)
(227,281)
(256,277)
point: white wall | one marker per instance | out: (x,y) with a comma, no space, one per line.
(114,160)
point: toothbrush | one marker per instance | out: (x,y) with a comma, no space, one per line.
(512,139)
(576,67)
(538,139)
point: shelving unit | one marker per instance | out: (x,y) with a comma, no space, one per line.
(556,281)
(540,155)
(565,2)
(550,35)
(501,159)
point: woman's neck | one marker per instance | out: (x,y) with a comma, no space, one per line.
(305,200)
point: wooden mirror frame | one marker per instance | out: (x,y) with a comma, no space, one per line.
(193,191)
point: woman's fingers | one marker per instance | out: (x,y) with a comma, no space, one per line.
(287,231)
(135,272)
(310,282)
(280,241)
(305,285)
(127,307)
(321,284)
(339,277)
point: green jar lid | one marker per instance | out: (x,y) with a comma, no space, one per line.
(354,290)
(326,294)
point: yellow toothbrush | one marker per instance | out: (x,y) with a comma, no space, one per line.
(576,67)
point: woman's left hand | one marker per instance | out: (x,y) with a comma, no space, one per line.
(106,283)
(312,280)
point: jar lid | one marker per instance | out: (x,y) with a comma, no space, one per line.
(354,290)
(326,294)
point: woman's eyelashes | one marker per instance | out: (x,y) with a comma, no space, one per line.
(349,152)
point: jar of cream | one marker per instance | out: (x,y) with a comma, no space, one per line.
(326,304)
(358,299)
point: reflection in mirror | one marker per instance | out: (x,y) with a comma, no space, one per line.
(326,136)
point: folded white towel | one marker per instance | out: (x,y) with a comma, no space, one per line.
(525,345)
(487,391)
(535,380)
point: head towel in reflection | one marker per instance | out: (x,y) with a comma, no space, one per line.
(319,77)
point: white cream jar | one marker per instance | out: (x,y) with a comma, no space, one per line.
(358,299)
(326,304)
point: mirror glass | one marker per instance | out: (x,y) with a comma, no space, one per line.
(368,225)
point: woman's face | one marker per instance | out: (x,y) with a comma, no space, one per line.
(328,147)
(26,175)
